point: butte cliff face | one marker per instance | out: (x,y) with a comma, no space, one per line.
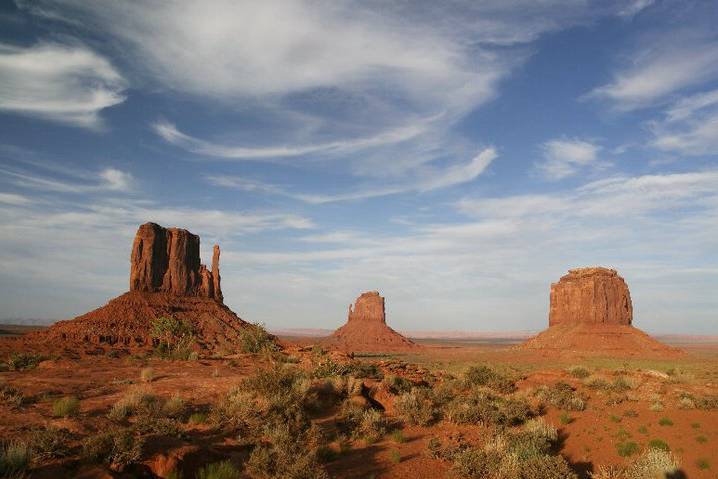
(167,260)
(366,329)
(591,312)
(590,295)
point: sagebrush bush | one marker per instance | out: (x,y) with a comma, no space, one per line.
(15,457)
(23,361)
(11,396)
(117,448)
(417,407)
(397,384)
(287,455)
(482,407)
(652,464)
(561,396)
(486,376)
(68,406)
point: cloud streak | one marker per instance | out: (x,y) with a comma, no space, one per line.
(68,84)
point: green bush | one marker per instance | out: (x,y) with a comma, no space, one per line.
(417,407)
(397,384)
(219,470)
(24,361)
(254,338)
(68,406)
(175,338)
(579,372)
(15,457)
(627,448)
(659,444)
(562,396)
(486,376)
(665,421)
(287,455)
(117,448)
(482,407)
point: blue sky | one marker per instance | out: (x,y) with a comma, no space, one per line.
(457,156)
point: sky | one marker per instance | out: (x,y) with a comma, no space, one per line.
(457,156)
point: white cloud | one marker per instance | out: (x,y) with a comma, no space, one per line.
(107,180)
(634,7)
(566,157)
(428,179)
(660,68)
(65,83)
(14,199)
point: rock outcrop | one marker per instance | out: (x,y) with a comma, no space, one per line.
(591,312)
(167,260)
(366,329)
(590,295)
(166,280)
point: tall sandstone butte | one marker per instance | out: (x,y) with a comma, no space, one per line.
(591,312)
(366,329)
(590,295)
(167,260)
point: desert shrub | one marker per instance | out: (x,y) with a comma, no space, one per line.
(651,464)
(565,418)
(50,442)
(327,367)
(174,338)
(546,467)
(398,436)
(15,457)
(175,407)
(197,418)
(68,406)
(371,424)
(562,396)
(219,470)
(395,456)
(579,372)
(658,444)
(597,383)
(656,406)
(287,455)
(147,375)
(417,407)
(621,384)
(134,401)
(254,338)
(365,370)
(703,464)
(627,448)
(117,448)
(482,407)
(686,403)
(706,402)
(397,384)
(479,464)
(486,376)
(11,396)
(24,361)
(665,421)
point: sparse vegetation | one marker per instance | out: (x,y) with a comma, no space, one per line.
(397,384)
(174,338)
(15,457)
(117,448)
(147,375)
(68,406)
(659,444)
(255,339)
(49,442)
(665,421)
(398,436)
(565,418)
(703,464)
(395,456)
(486,376)
(627,448)
(417,407)
(482,407)
(649,465)
(11,396)
(23,361)
(561,395)
(219,470)
(579,372)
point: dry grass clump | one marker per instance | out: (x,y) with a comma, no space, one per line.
(651,464)
(11,396)
(362,422)
(219,470)
(486,376)
(397,384)
(255,339)
(147,375)
(152,414)
(23,361)
(50,442)
(116,448)
(15,457)
(287,455)
(68,406)
(483,407)
(417,407)
(561,395)
(579,372)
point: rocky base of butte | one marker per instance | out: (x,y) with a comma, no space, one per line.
(591,312)
(366,329)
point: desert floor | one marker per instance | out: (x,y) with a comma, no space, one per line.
(653,405)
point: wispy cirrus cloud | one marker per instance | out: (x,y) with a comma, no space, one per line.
(106,180)
(689,126)
(428,180)
(69,84)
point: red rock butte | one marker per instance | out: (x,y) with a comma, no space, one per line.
(166,279)
(591,312)
(366,329)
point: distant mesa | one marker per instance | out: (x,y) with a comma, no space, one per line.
(591,311)
(366,329)
(167,279)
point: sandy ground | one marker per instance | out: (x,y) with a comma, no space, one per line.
(589,439)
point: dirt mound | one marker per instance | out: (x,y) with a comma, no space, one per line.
(166,280)
(591,312)
(366,329)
